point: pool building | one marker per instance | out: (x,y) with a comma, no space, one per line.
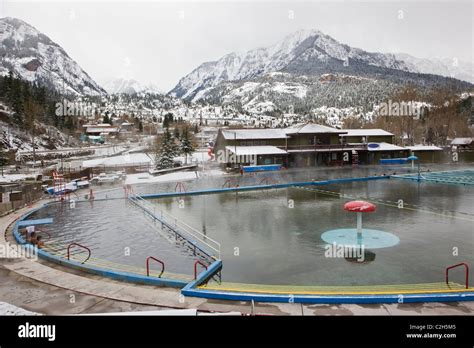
(309,145)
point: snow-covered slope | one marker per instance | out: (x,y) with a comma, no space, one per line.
(36,58)
(450,67)
(12,138)
(313,53)
(129,86)
(303,47)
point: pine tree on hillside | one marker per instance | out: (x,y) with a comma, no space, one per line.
(169,118)
(187,147)
(3,160)
(176,132)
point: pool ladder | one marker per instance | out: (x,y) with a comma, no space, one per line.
(148,265)
(218,274)
(79,245)
(466,268)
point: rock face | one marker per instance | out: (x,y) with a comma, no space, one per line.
(32,65)
(35,57)
(305,52)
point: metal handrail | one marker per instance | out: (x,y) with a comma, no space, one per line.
(45,232)
(148,265)
(230,182)
(180,185)
(466,267)
(202,238)
(79,245)
(324,147)
(268,181)
(195,233)
(188,229)
(195,267)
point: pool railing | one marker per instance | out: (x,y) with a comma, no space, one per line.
(205,244)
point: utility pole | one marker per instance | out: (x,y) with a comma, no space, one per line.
(33,141)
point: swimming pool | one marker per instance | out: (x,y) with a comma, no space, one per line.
(273,236)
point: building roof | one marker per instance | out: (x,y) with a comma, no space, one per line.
(462,141)
(244,134)
(101,129)
(131,159)
(424,148)
(365,132)
(97,125)
(385,147)
(311,128)
(255,150)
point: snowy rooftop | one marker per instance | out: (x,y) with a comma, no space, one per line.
(424,148)
(105,125)
(311,128)
(101,129)
(462,141)
(122,160)
(385,147)
(255,150)
(267,133)
(365,132)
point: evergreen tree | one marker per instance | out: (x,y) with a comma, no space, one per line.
(3,160)
(176,141)
(169,118)
(106,119)
(165,151)
(186,147)
(176,133)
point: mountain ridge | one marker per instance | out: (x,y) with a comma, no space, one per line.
(34,57)
(129,86)
(304,52)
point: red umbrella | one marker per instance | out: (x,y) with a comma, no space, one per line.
(359,207)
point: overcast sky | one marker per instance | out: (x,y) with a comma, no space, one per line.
(159,42)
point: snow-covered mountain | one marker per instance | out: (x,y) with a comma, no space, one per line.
(450,67)
(36,58)
(305,52)
(304,47)
(129,86)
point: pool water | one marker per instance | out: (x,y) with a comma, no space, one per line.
(115,232)
(274,236)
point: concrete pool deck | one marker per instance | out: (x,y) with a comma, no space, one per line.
(42,287)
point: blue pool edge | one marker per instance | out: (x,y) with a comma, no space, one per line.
(192,288)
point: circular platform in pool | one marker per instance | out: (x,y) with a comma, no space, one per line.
(371,239)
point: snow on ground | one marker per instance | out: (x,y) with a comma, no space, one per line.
(146,178)
(211,172)
(130,159)
(16,177)
(196,157)
(298,90)
(140,158)
(108,150)
(259,107)
(9,309)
